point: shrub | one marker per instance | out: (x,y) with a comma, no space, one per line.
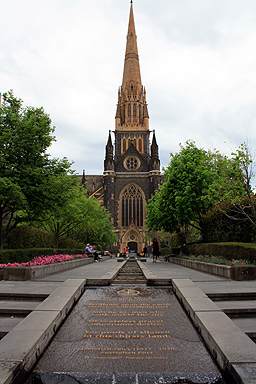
(70,243)
(227,250)
(166,251)
(28,237)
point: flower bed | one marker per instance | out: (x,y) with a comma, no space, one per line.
(233,272)
(43,265)
(45,260)
(218,260)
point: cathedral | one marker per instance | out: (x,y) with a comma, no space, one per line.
(131,166)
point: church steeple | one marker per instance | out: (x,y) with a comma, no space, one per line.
(131,63)
(132,110)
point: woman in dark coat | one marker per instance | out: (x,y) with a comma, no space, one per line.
(155,250)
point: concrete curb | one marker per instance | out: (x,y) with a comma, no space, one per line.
(215,269)
(239,273)
(21,348)
(31,273)
(106,279)
(230,347)
(152,279)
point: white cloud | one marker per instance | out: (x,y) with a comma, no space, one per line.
(197,58)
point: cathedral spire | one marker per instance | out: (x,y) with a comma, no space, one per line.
(132,110)
(131,63)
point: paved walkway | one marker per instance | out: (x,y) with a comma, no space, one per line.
(13,309)
(18,299)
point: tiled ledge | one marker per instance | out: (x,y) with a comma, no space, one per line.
(231,348)
(22,347)
(240,272)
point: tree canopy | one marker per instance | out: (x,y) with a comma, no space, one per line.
(29,178)
(196,180)
(183,197)
(81,218)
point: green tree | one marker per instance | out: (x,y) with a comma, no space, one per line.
(81,218)
(29,179)
(96,227)
(184,196)
(232,184)
(197,180)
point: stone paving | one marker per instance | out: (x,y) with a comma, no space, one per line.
(19,298)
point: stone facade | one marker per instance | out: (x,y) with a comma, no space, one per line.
(132,166)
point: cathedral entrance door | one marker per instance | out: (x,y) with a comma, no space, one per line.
(133,246)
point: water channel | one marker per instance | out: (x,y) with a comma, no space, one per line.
(127,333)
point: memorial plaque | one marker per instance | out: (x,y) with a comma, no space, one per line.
(127,329)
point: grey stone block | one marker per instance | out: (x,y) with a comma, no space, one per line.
(74,283)
(201,304)
(8,371)
(180,283)
(72,378)
(244,373)
(56,303)
(25,346)
(67,292)
(180,377)
(40,321)
(227,343)
(190,292)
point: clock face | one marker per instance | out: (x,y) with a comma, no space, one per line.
(131,163)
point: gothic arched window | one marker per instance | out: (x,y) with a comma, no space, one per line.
(124,145)
(140,145)
(129,112)
(134,112)
(132,206)
(140,114)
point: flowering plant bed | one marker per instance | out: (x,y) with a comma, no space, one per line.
(233,271)
(43,265)
(44,260)
(218,260)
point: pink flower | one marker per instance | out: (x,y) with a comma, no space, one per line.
(44,260)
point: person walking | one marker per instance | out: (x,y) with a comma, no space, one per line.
(155,250)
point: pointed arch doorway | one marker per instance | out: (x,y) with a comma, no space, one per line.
(133,247)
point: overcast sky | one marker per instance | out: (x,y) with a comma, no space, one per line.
(197,58)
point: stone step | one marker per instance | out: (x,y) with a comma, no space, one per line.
(236,307)
(7,323)
(248,326)
(232,296)
(14,307)
(10,296)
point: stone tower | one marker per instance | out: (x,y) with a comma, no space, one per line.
(131,166)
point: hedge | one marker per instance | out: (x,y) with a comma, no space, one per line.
(25,255)
(216,227)
(229,251)
(28,237)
